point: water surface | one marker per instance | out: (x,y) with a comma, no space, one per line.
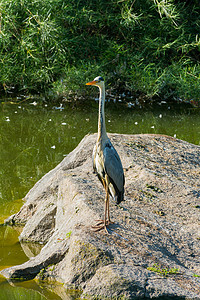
(34,139)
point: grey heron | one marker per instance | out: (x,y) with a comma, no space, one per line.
(106,161)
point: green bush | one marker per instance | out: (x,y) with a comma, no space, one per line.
(146,46)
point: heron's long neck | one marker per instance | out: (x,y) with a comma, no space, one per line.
(101,121)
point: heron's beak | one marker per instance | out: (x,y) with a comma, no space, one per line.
(91,82)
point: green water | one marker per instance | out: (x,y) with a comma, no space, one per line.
(34,139)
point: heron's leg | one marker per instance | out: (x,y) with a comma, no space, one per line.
(102,221)
(108,204)
(106,221)
(102,224)
(108,211)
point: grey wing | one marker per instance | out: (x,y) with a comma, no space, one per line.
(113,166)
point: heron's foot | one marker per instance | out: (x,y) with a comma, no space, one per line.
(100,221)
(101,225)
(111,222)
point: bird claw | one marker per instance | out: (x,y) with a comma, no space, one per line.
(101,224)
(96,228)
(100,221)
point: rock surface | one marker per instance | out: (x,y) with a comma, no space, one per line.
(153,249)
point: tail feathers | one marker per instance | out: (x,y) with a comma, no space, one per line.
(120,197)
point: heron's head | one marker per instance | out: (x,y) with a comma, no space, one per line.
(98,81)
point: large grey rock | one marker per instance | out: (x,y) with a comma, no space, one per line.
(156,230)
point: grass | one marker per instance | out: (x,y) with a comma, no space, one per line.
(163,271)
(68,234)
(196,275)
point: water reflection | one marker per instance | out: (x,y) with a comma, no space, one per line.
(34,290)
(11,252)
(31,249)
